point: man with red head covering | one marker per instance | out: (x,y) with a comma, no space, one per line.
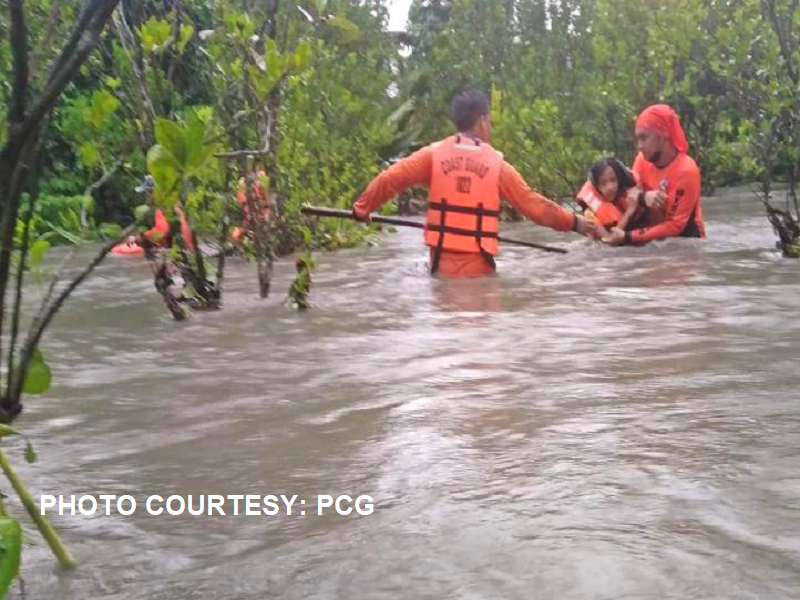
(669,190)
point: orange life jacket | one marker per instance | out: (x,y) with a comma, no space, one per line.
(464,198)
(604,211)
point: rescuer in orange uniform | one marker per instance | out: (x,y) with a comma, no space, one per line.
(160,235)
(466,178)
(669,182)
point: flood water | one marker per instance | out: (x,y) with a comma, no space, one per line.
(606,424)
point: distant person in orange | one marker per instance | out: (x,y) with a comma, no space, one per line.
(160,234)
(668,194)
(261,201)
(466,178)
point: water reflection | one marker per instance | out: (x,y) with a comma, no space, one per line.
(480,295)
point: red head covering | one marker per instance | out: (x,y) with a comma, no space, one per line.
(662,119)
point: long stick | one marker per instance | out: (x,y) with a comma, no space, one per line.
(346,214)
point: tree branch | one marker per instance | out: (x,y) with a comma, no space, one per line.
(22,143)
(768,6)
(236,121)
(52,19)
(83,40)
(15,162)
(82,24)
(107,174)
(15,316)
(19,50)
(241,154)
(55,281)
(126,40)
(175,37)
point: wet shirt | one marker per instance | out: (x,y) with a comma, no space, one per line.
(681,215)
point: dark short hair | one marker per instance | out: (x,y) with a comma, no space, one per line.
(469,106)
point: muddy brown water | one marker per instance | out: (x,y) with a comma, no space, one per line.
(608,424)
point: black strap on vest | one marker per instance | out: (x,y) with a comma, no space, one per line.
(460,231)
(437,252)
(466,210)
(478,233)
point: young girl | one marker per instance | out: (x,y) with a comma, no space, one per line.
(603,196)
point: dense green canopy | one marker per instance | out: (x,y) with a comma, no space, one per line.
(335,96)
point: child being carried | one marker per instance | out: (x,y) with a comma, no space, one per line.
(603,196)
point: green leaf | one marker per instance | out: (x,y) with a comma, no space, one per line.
(87,204)
(171,136)
(96,111)
(348,31)
(90,156)
(7,430)
(109,102)
(318,5)
(275,62)
(30,453)
(104,104)
(166,172)
(196,149)
(240,24)
(141,212)
(10,549)
(38,250)
(262,82)
(154,34)
(302,55)
(109,230)
(187,31)
(37,381)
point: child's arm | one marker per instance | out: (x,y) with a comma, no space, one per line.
(601,231)
(630,210)
(623,222)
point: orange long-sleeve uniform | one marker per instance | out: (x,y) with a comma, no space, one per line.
(682,214)
(160,232)
(417,170)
